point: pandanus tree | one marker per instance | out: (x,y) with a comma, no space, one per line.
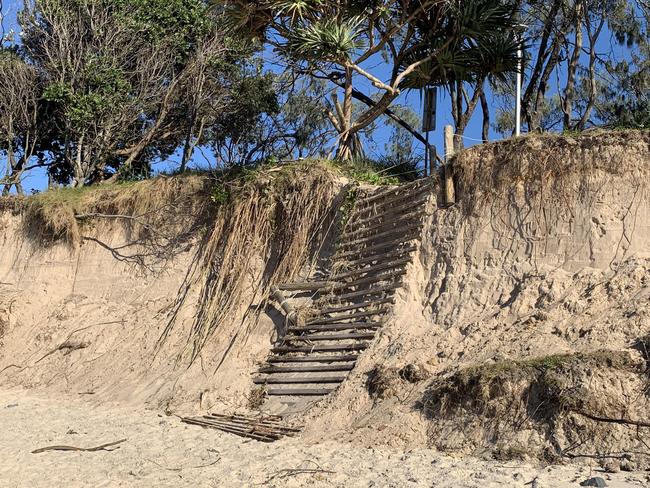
(373,50)
(475,41)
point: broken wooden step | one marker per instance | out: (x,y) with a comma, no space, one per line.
(274,380)
(330,337)
(299,391)
(359,346)
(309,368)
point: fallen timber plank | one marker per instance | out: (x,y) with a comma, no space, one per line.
(312,359)
(383,225)
(321,348)
(329,320)
(330,337)
(300,391)
(371,269)
(335,327)
(248,426)
(241,432)
(348,265)
(413,187)
(294,381)
(397,241)
(269,433)
(271,420)
(355,306)
(311,368)
(398,231)
(392,212)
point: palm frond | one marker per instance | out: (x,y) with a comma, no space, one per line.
(326,40)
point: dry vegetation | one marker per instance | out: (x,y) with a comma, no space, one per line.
(561,406)
(264,235)
(545,165)
(144,208)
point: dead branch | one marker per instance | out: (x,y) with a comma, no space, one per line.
(622,421)
(102,447)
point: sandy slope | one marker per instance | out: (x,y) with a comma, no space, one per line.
(161,451)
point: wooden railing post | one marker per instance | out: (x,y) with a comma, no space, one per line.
(292,315)
(448,170)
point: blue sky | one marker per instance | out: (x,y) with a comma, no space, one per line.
(37,180)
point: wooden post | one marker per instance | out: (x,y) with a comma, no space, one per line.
(448,170)
(292,316)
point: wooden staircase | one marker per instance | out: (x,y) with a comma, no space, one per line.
(377,244)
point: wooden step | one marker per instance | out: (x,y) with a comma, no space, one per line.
(304,285)
(364,206)
(330,337)
(336,282)
(299,391)
(334,327)
(372,269)
(356,346)
(313,359)
(386,276)
(361,293)
(349,265)
(306,369)
(299,380)
(398,231)
(365,252)
(386,223)
(338,318)
(355,306)
(416,205)
(411,188)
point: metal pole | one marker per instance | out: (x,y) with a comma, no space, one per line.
(518,95)
(427,155)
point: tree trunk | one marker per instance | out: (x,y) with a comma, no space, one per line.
(569,90)
(485,108)
(79,173)
(349,145)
